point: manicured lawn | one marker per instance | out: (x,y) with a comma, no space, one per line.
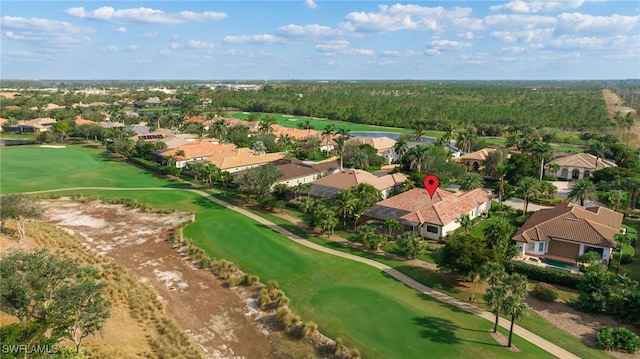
(33,168)
(320,124)
(371,311)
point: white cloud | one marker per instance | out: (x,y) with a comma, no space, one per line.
(175,45)
(609,44)
(476,59)
(394,53)
(144,15)
(306,31)
(342,47)
(150,35)
(310,4)
(44,32)
(467,35)
(580,23)
(448,45)
(530,36)
(111,48)
(520,21)
(513,50)
(197,44)
(121,29)
(264,39)
(400,17)
(133,48)
(535,6)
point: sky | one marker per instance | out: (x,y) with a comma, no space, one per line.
(320,40)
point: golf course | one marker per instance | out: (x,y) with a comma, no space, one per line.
(368,309)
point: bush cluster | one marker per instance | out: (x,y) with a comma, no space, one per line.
(620,339)
(549,275)
(546,292)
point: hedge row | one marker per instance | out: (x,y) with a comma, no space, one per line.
(544,274)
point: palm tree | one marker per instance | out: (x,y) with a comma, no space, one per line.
(391,225)
(416,156)
(400,148)
(340,141)
(492,273)
(465,222)
(360,160)
(496,235)
(528,188)
(218,129)
(329,131)
(467,139)
(346,203)
(419,128)
(470,181)
(343,132)
(544,152)
(225,177)
(517,284)
(597,149)
(583,190)
(285,141)
(615,198)
(517,309)
(494,297)
(266,124)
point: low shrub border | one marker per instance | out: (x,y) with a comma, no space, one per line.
(544,274)
(619,339)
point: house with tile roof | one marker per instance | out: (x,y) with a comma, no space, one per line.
(431,217)
(329,186)
(475,160)
(566,231)
(384,146)
(193,151)
(154,136)
(295,171)
(240,159)
(32,126)
(578,166)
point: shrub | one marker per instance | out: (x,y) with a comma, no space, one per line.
(620,339)
(548,275)
(546,292)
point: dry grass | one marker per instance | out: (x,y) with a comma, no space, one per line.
(138,326)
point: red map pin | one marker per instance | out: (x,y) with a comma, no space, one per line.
(431,183)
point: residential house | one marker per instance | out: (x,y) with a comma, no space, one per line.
(295,171)
(194,151)
(566,231)
(49,107)
(474,161)
(239,159)
(384,146)
(138,129)
(431,217)
(153,136)
(152,101)
(79,121)
(178,140)
(111,124)
(329,186)
(297,133)
(32,126)
(577,166)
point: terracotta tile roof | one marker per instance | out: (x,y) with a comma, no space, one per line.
(480,155)
(199,149)
(379,143)
(293,168)
(240,157)
(81,121)
(178,140)
(48,107)
(38,122)
(570,222)
(330,185)
(194,118)
(297,133)
(582,160)
(416,206)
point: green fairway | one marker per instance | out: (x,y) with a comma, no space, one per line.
(380,316)
(319,124)
(34,168)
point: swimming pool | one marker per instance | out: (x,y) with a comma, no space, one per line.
(561,265)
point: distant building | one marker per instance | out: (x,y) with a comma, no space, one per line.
(578,166)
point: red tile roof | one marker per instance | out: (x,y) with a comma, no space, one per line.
(416,206)
(570,222)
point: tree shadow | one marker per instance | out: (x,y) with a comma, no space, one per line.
(442,330)
(205,202)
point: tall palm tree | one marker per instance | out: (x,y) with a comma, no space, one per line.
(266,124)
(543,151)
(492,273)
(286,141)
(528,188)
(329,131)
(583,190)
(467,139)
(218,129)
(346,203)
(340,141)
(494,297)
(344,132)
(622,240)
(470,181)
(400,148)
(517,309)
(416,156)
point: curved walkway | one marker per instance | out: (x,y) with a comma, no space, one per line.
(521,332)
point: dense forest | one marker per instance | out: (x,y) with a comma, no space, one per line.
(563,105)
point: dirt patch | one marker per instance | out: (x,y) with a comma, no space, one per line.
(216,318)
(614,105)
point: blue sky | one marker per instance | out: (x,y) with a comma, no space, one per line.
(314,39)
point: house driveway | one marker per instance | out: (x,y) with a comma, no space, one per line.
(563,190)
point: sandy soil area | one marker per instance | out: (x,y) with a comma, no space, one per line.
(217,319)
